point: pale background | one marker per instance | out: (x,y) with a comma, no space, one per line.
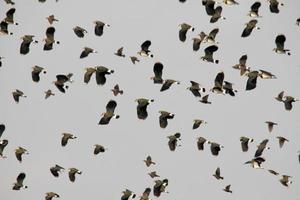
(36,124)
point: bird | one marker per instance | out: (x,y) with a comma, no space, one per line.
(72,172)
(198,122)
(285,180)
(266,75)
(157,69)
(217,174)
(101,71)
(120,52)
(204,99)
(281,141)
(49,40)
(3,144)
(279,97)
(274,6)
(230,2)
(79,31)
(35,74)
(153,174)
(252,80)
(256,162)
(51,19)
(66,137)
(19,184)
(217,14)
(4,28)
(196,89)
(245,142)
(99,149)
(109,114)
(215,148)
(19,152)
(142,107)
(200,143)
(242,65)
(127,195)
(149,161)
(209,6)
(211,37)
(261,147)
(61,79)
(273,172)
(55,170)
(99,26)
(287,100)
(271,125)
(86,51)
(173,139)
(160,186)
(51,195)
(209,51)
(146,194)
(48,93)
(10,16)
(17,94)
(197,41)
(279,41)
(167,83)
(89,71)
(227,189)
(218,87)
(25,45)
(145,49)
(163,118)
(2,129)
(116,90)
(249,28)
(254,9)
(134,59)
(9,2)
(228,89)
(184,28)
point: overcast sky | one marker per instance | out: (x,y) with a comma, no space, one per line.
(37,124)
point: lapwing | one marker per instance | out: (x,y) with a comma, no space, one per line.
(209,51)
(101,71)
(35,74)
(86,51)
(72,172)
(79,31)
(279,41)
(261,147)
(228,88)
(256,162)
(61,79)
(279,97)
(245,142)
(254,9)
(242,65)
(10,16)
(184,28)
(142,107)
(274,6)
(285,180)
(252,80)
(157,69)
(287,100)
(66,137)
(145,52)
(173,139)
(128,195)
(134,59)
(204,99)
(227,189)
(218,86)
(146,194)
(281,141)
(167,83)
(197,41)
(89,71)
(249,28)
(211,37)
(19,184)
(198,122)
(153,174)
(51,19)
(217,174)
(120,52)
(4,28)
(200,143)
(49,40)
(215,148)
(17,94)
(196,89)
(149,161)
(99,26)
(3,144)
(49,93)
(160,187)
(51,195)
(271,125)
(163,118)
(109,114)
(99,149)
(217,14)
(116,90)
(55,170)
(25,45)
(209,6)
(19,152)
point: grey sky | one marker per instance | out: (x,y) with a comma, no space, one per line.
(36,124)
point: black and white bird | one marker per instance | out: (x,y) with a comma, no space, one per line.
(19,184)
(55,170)
(61,80)
(101,72)
(4,28)
(261,147)
(160,187)
(249,28)
(287,100)
(109,114)
(10,16)
(198,40)
(163,118)
(167,83)
(3,144)
(51,195)
(279,41)
(256,162)
(274,6)
(254,9)
(215,148)
(66,137)
(142,107)
(145,52)
(198,122)
(19,153)
(266,75)
(79,31)
(245,143)
(200,143)
(209,51)
(227,189)
(17,94)
(86,51)
(99,26)
(184,28)
(218,83)
(231,2)
(196,89)
(35,73)
(173,141)
(146,194)
(25,45)
(285,180)
(128,195)
(72,172)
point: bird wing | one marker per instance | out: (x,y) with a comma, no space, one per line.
(100,78)
(157,69)
(110,107)
(213,33)
(167,84)
(215,148)
(255,6)
(64,140)
(21,178)
(251,83)
(209,7)
(145,46)
(243,59)
(88,74)
(54,171)
(72,175)
(210,50)
(200,143)
(163,122)
(219,80)
(50,32)
(2,129)
(280,40)
(274,6)
(172,143)
(10,14)
(142,111)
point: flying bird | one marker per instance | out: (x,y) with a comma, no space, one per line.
(266,75)
(19,184)
(227,189)
(134,59)
(4,28)
(200,143)
(116,90)
(101,71)
(217,14)
(215,148)
(256,162)
(242,65)
(218,87)
(49,40)
(3,144)
(25,45)
(254,9)
(163,118)
(145,49)
(167,83)
(10,16)
(160,186)
(99,26)
(217,174)
(61,79)
(204,99)
(142,107)
(271,125)
(279,41)
(55,170)
(211,37)
(19,152)
(281,141)
(51,195)
(196,89)
(128,195)
(99,149)
(173,139)
(287,100)
(9,2)
(209,51)
(274,6)
(109,114)
(157,69)
(66,137)
(79,31)
(35,74)
(273,172)
(184,28)
(17,94)
(252,80)
(72,172)
(245,142)
(89,71)
(86,51)
(261,147)
(120,52)
(51,19)
(249,28)
(231,2)
(197,41)
(2,129)
(149,161)
(285,180)
(153,174)
(146,194)
(198,122)
(48,93)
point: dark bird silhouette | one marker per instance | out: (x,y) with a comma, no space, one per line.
(51,195)
(196,89)
(72,172)
(19,152)
(19,184)
(48,93)
(25,45)
(10,16)
(197,41)
(271,125)
(51,19)
(49,40)
(146,194)
(3,144)
(198,122)
(209,51)
(134,59)
(245,142)
(217,174)
(160,186)
(252,80)
(184,28)
(163,118)
(200,143)
(215,148)
(281,141)
(218,86)
(242,65)
(99,149)
(167,83)
(173,139)
(204,99)
(56,170)
(287,100)
(116,90)
(149,161)
(274,6)
(79,31)
(142,107)
(2,129)
(157,69)
(17,94)
(99,26)
(256,162)
(273,172)
(249,28)
(120,52)
(127,195)
(153,174)
(254,9)
(211,37)
(145,49)
(35,74)
(101,71)
(4,28)
(279,41)
(61,79)
(109,114)
(89,71)
(261,147)
(86,51)
(66,137)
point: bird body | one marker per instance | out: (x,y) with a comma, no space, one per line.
(163,118)
(142,107)
(66,137)
(19,184)
(109,114)
(72,172)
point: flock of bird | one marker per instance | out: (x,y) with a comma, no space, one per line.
(221,86)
